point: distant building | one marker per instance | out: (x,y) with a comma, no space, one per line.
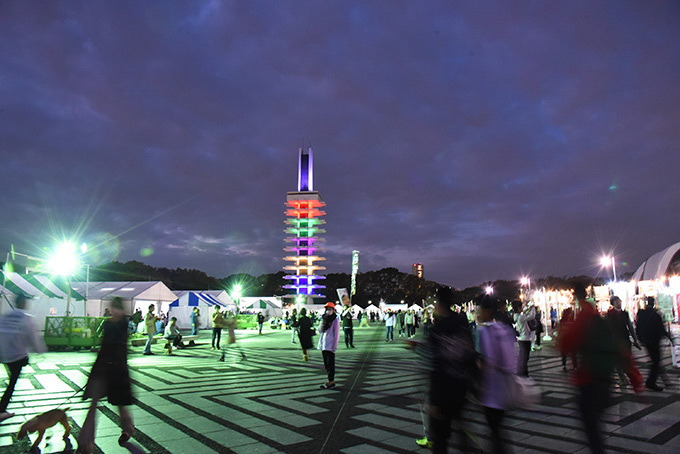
(303,220)
(417,270)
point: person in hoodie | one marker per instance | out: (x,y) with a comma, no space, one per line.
(329,331)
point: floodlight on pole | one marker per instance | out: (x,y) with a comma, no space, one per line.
(489,290)
(606,261)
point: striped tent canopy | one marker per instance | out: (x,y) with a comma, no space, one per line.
(38,286)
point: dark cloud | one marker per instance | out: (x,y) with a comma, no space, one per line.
(484,140)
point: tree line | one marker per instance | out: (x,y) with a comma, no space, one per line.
(387,284)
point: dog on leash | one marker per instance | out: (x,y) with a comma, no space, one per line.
(44,421)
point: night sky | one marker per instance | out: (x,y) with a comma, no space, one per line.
(486,140)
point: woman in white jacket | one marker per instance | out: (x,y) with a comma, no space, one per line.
(329,329)
(525,335)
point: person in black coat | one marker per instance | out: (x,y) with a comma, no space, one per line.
(650,329)
(110,378)
(305,333)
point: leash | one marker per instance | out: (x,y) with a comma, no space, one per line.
(71,396)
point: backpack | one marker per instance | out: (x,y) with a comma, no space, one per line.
(601,353)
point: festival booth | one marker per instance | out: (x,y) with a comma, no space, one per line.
(658,277)
(135,295)
(206,301)
(48,298)
(270,306)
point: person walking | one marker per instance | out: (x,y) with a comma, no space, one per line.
(650,330)
(230,323)
(592,338)
(293,326)
(218,324)
(260,322)
(390,321)
(401,322)
(497,346)
(18,336)
(566,323)
(623,329)
(410,320)
(195,321)
(110,378)
(453,361)
(524,334)
(305,333)
(347,324)
(150,320)
(363,320)
(329,331)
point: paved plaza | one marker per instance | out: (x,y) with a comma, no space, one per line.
(192,403)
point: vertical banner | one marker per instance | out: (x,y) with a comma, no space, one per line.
(355,269)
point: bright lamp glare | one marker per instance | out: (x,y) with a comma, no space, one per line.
(64,260)
(489,290)
(605,261)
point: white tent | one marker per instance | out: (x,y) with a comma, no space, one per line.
(415,307)
(135,295)
(371,308)
(270,306)
(205,301)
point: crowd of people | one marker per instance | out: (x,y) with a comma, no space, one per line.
(479,355)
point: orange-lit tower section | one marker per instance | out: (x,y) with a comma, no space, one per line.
(304,218)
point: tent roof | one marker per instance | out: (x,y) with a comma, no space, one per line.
(38,286)
(193,298)
(138,290)
(657,265)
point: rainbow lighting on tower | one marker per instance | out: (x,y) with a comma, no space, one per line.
(304,218)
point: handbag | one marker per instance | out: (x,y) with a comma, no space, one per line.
(520,392)
(523,392)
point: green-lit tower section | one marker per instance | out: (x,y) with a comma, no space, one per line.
(303,220)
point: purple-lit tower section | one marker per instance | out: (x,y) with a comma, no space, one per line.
(303,218)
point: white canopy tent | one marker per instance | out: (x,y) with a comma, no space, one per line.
(206,301)
(270,306)
(135,295)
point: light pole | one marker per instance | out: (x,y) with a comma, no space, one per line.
(236,294)
(64,262)
(606,261)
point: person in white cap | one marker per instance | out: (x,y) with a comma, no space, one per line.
(329,329)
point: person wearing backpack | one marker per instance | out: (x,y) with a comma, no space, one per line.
(525,335)
(592,338)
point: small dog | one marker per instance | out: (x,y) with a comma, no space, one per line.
(44,421)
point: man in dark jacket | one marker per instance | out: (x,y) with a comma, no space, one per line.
(347,325)
(650,330)
(453,363)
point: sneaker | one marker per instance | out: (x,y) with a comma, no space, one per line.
(424,442)
(328,386)
(148,353)
(5,415)
(655,388)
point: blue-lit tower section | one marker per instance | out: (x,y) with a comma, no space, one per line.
(303,221)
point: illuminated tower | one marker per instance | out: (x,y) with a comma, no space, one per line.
(417,270)
(304,216)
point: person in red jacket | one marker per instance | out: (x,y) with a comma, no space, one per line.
(592,339)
